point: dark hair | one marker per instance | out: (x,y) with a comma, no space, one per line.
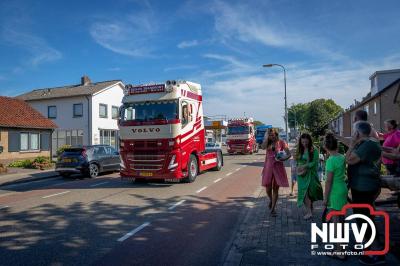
(392,122)
(300,148)
(364,128)
(275,132)
(330,142)
(361,115)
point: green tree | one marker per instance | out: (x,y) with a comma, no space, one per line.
(319,113)
(297,115)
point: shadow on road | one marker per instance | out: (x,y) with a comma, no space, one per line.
(79,234)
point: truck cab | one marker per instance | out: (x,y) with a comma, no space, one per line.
(240,137)
(260,133)
(162,132)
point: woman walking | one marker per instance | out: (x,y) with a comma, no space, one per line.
(309,187)
(391,142)
(335,186)
(274,173)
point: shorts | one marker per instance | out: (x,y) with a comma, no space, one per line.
(294,178)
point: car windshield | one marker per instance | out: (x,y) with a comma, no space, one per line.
(210,144)
(150,111)
(234,130)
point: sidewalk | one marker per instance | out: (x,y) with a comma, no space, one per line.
(282,240)
(19,175)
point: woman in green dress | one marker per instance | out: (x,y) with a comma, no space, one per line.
(309,187)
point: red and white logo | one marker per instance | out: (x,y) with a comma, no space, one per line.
(332,235)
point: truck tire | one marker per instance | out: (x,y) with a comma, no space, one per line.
(192,170)
(219,162)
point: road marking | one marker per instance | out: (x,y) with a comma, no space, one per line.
(201,189)
(98,184)
(176,205)
(217,180)
(3,207)
(237,169)
(134,231)
(228,174)
(57,194)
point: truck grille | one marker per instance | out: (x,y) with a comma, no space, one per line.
(237,146)
(146,162)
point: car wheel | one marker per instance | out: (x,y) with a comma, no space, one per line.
(65,175)
(192,170)
(219,162)
(93,170)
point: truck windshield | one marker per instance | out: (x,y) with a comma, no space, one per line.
(261,133)
(235,130)
(150,111)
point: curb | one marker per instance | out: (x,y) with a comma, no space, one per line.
(29,179)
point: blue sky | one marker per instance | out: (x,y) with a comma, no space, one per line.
(328,47)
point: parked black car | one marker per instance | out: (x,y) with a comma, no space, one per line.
(88,160)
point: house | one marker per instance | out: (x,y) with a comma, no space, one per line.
(24,132)
(381,103)
(86,113)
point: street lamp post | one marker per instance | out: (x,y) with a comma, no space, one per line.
(286,110)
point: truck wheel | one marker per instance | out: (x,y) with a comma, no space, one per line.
(192,170)
(219,162)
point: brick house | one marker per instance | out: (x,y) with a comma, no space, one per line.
(381,103)
(24,132)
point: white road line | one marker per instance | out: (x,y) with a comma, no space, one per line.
(228,174)
(98,184)
(201,189)
(217,180)
(57,194)
(237,169)
(134,231)
(176,205)
(3,207)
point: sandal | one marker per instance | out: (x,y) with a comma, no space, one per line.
(270,205)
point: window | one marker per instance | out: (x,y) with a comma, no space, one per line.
(103,110)
(109,137)
(375,108)
(52,112)
(78,110)
(24,141)
(114,112)
(186,113)
(29,141)
(366,109)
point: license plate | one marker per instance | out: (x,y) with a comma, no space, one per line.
(146,174)
(67,160)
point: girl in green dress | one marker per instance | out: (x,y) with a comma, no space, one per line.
(309,187)
(335,187)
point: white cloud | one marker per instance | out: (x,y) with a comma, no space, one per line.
(261,94)
(179,67)
(187,44)
(40,51)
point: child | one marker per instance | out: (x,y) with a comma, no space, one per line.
(335,187)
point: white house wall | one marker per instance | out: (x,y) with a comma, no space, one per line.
(112,97)
(65,119)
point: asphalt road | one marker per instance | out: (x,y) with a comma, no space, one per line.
(107,221)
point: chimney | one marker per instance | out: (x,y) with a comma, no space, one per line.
(85,80)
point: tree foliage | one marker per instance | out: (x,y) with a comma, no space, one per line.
(313,116)
(258,123)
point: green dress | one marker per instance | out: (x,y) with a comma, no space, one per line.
(308,183)
(336,164)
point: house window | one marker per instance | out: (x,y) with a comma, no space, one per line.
(375,108)
(366,109)
(29,141)
(52,112)
(78,110)
(103,110)
(109,137)
(114,112)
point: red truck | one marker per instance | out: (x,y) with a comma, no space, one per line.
(162,133)
(240,137)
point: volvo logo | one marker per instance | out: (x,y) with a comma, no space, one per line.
(146,130)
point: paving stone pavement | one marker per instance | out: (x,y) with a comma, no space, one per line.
(282,240)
